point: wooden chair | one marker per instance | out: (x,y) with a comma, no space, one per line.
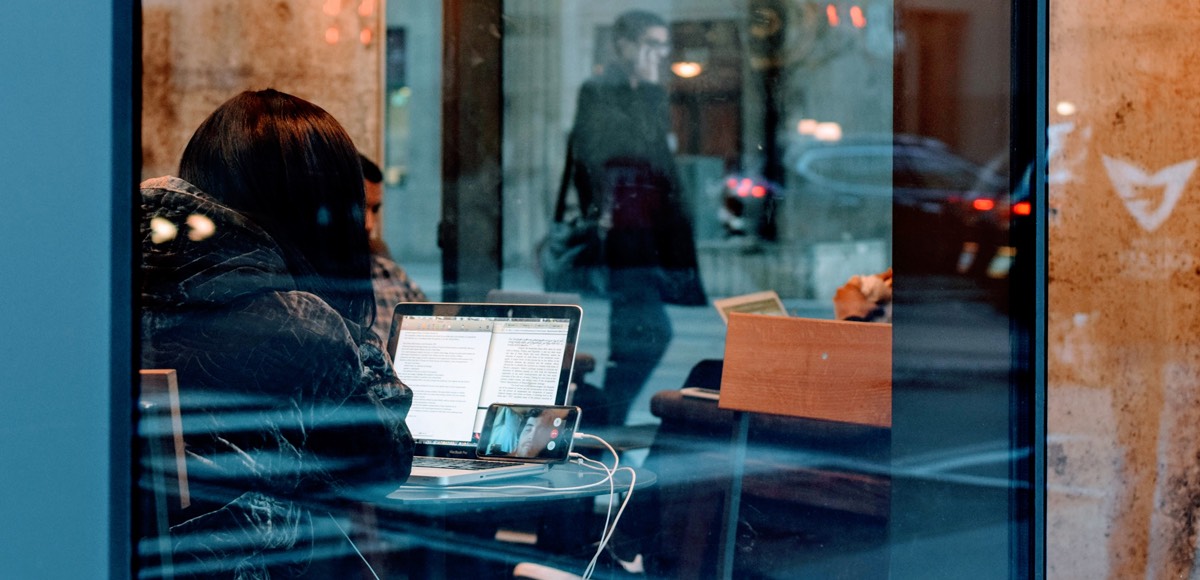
(164,480)
(804,368)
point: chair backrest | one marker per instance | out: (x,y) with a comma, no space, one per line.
(801,367)
(828,370)
(162,427)
(163,482)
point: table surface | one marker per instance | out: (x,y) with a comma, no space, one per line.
(567,481)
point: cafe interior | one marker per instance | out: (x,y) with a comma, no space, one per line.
(814,359)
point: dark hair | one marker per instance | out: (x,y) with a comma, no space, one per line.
(291,168)
(371,172)
(630,25)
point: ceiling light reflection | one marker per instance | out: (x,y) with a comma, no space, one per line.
(162,230)
(686,70)
(828,132)
(857,18)
(201,227)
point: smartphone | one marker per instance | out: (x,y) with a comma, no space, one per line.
(537,433)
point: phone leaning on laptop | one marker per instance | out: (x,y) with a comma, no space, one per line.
(516,441)
(528,433)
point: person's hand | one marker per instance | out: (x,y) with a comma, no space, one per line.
(850,302)
(865,298)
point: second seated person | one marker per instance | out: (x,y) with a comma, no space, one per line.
(392,284)
(256,289)
(625,174)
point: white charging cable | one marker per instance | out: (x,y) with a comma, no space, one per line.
(353,545)
(609,526)
(610,521)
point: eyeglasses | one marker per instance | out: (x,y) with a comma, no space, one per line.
(656,45)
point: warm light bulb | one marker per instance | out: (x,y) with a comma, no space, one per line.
(332,7)
(807,126)
(162,230)
(831,13)
(365,36)
(201,227)
(686,70)
(1065,108)
(332,35)
(857,18)
(366,8)
(828,132)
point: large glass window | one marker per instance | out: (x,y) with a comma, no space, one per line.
(844,172)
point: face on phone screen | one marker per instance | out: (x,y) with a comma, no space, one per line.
(528,432)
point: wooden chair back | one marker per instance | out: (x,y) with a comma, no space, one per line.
(801,367)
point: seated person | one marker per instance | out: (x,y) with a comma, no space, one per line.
(535,434)
(506,429)
(391,282)
(255,288)
(865,298)
(520,435)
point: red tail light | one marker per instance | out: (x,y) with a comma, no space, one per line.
(1022,208)
(984,204)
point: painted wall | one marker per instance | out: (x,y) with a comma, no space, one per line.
(199,53)
(56,276)
(1124,270)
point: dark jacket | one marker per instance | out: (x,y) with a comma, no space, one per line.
(288,407)
(625,175)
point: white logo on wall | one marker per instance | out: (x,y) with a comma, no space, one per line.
(1062,164)
(1128,179)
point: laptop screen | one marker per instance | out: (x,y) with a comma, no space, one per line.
(458,359)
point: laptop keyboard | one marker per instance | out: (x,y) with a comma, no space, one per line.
(456,463)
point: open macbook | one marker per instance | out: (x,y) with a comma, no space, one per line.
(459,359)
(765,302)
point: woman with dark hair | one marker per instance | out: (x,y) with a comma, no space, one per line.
(288,166)
(255,280)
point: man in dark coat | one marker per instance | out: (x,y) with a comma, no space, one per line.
(625,175)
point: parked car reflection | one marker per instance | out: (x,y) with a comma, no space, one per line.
(911,183)
(987,214)
(748,206)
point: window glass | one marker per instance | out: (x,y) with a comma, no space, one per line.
(816,145)
(805,290)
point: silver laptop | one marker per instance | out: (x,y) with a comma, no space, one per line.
(458,359)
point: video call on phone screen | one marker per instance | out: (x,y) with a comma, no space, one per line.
(529,432)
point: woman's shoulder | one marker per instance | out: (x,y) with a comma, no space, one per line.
(302,318)
(271,335)
(318,330)
(169,183)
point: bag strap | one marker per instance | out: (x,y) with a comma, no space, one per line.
(560,207)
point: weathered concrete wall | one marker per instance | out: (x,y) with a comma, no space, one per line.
(198,53)
(1124,336)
